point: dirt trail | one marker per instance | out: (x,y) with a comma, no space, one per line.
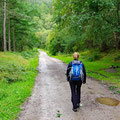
(52,93)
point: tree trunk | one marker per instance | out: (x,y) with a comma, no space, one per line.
(14,37)
(117,34)
(116,39)
(118,9)
(118,12)
(9,43)
(4,28)
(2,42)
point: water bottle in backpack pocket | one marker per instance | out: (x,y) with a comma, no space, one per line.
(76,73)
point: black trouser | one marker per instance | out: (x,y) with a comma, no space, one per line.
(75,92)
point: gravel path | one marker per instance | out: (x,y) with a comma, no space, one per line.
(51,93)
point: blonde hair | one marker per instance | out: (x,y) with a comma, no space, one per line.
(76,55)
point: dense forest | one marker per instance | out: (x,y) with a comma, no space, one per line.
(60,25)
(85,24)
(20,23)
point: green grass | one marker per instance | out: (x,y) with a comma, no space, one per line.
(17,76)
(96,64)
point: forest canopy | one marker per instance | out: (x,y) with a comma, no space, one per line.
(60,25)
(19,22)
(85,24)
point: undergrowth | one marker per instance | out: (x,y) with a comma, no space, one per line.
(17,75)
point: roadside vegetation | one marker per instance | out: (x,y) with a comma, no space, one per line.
(17,76)
(101,66)
(24,27)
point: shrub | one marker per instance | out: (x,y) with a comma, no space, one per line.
(117,58)
(3,94)
(13,78)
(93,57)
(11,72)
(56,46)
(30,53)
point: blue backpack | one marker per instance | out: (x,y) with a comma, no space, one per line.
(76,73)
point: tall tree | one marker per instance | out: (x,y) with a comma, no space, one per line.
(14,37)
(81,24)
(4,27)
(9,42)
(117,33)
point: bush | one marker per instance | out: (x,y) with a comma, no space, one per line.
(12,73)
(56,46)
(117,58)
(30,53)
(9,79)
(13,78)
(93,57)
(3,94)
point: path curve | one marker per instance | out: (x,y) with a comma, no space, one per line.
(51,93)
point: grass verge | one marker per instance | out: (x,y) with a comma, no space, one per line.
(17,76)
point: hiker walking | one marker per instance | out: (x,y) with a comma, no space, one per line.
(76,75)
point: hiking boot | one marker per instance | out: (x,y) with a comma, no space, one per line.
(75,110)
(79,105)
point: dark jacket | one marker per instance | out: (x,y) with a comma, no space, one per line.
(69,69)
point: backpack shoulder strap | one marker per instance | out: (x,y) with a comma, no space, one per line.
(81,62)
(76,62)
